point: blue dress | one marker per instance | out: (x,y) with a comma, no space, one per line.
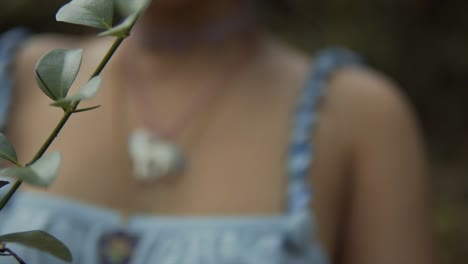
(98,236)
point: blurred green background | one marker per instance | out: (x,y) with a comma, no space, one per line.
(422,44)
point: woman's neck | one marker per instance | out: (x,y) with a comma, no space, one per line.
(199,30)
(191,16)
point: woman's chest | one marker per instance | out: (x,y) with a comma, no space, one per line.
(235,155)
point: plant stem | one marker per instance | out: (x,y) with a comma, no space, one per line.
(108,56)
(10,193)
(14,255)
(62,122)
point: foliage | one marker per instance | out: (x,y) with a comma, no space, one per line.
(55,73)
(39,240)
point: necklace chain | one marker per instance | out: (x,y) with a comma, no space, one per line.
(139,92)
(153,150)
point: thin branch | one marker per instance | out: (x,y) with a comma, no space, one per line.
(86,109)
(13,254)
(62,122)
(108,56)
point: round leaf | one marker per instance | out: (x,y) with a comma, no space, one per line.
(25,174)
(56,71)
(92,13)
(86,92)
(40,240)
(42,173)
(47,168)
(7,151)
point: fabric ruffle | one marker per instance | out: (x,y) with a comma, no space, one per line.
(164,240)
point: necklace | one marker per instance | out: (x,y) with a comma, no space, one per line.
(153,157)
(153,150)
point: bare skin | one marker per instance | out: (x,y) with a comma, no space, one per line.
(368,174)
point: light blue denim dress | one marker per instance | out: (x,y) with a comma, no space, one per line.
(94,234)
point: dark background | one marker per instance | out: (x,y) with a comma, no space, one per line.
(422,44)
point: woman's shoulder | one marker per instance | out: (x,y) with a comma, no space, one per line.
(38,45)
(365,95)
(24,85)
(351,92)
(357,98)
(375,117)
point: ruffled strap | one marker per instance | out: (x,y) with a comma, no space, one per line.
(9,43)
(300,230)
(301,149)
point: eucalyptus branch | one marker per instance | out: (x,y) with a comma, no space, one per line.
(55,73)
(86,109)
(9,252)
(67,114)
(10,193)
(108,56)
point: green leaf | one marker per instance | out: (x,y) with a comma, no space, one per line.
(40,240)
(92,13)
(47,168)
(7,151)
(86,92)
(22,173)
(56,71)
(41,173)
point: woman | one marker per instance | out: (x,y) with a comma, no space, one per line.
(240,117)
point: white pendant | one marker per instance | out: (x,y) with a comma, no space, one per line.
(152,156)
